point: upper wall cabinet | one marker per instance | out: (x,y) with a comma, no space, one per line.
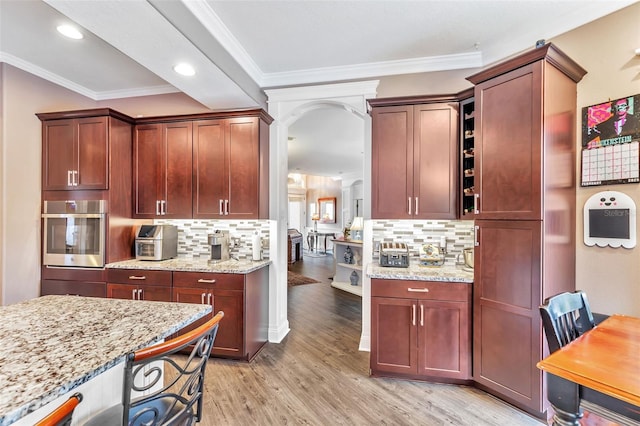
(206,166)
(414,158)
(230,168)
(75,148)
(162,170)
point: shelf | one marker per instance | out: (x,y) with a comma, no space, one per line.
(351,266)
(353,289)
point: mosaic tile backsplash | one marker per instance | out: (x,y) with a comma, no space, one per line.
(414,233)
(193,234)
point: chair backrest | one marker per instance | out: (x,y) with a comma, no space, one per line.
(61,416)
(172,385)
(565,317)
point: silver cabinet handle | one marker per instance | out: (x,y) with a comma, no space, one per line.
(202,280)
(69,177)
(413,314)
(133,294)
(421,315)
(140,294)
(226,207)
(416,206)
(476,203)
(418,290)
(210,299)
(220,207)
(158,208)
(75,178)
(476,230)
(137,277)
(202,298)
(163,207)
(409,211)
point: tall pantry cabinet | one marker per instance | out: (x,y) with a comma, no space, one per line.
(525,115)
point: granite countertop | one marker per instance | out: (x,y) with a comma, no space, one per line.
(231,266)
(52,344)
(418,272)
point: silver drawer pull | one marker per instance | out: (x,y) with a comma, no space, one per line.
(202,280)
(418,290)
(135,277)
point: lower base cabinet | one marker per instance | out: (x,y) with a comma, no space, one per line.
(139,284)
(421,330)
(76,288)
(244,299)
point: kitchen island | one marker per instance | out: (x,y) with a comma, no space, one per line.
(54,345)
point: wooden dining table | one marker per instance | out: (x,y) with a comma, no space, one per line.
(605,359)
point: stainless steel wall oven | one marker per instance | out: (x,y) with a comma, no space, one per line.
(74,233)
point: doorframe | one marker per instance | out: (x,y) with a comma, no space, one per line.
(286,106)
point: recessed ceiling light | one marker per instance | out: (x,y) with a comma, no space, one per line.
(184,69)
(70,31)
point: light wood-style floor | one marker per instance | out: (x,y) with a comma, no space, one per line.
(317,376)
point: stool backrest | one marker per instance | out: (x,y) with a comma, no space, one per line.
(565,317)
(62,415)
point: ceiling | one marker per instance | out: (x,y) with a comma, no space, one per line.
(239,48)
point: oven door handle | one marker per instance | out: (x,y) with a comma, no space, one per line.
(74,215)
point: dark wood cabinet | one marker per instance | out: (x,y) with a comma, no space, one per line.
(421,330)
(414,158)
(229,168)
(525,114)
(77,288)
(75,153)
(138,284)
(162,170)
(243,298)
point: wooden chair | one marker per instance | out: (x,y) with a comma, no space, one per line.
(565,317)
(61,416)
(174,384)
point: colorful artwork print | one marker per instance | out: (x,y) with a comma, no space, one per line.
(610,135)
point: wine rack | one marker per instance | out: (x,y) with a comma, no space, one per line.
(467,170)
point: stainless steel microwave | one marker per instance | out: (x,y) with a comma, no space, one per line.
(74,233)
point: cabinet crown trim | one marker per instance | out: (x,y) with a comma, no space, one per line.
(549,52)
(85,113)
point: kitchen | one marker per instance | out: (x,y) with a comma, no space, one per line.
(26,95)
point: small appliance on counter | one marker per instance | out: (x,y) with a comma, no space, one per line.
(468,259)
(219,244)
(432,255)
(394,254)
(156,242)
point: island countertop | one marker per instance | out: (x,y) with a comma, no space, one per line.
(421,273)
(52,344)
(231,266)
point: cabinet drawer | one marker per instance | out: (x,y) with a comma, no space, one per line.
(205,279)
(139,277)
(421,290)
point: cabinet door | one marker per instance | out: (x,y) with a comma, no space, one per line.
(210,177)
(507,327)
(394,335)
(392,162)
(177,170)
(92,147)
(444,340)
(435,143)
(243,167)
(155,293)
(59,150)
(508,145)
(122,291)
(230,338)
(147,169)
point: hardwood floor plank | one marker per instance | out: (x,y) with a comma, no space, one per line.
(317,375)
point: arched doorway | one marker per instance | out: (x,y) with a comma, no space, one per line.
(286,106)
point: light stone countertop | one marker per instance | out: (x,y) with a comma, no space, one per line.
(231,266)
(418,272)
(52,344)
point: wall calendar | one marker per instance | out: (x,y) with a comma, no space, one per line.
(610,142)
